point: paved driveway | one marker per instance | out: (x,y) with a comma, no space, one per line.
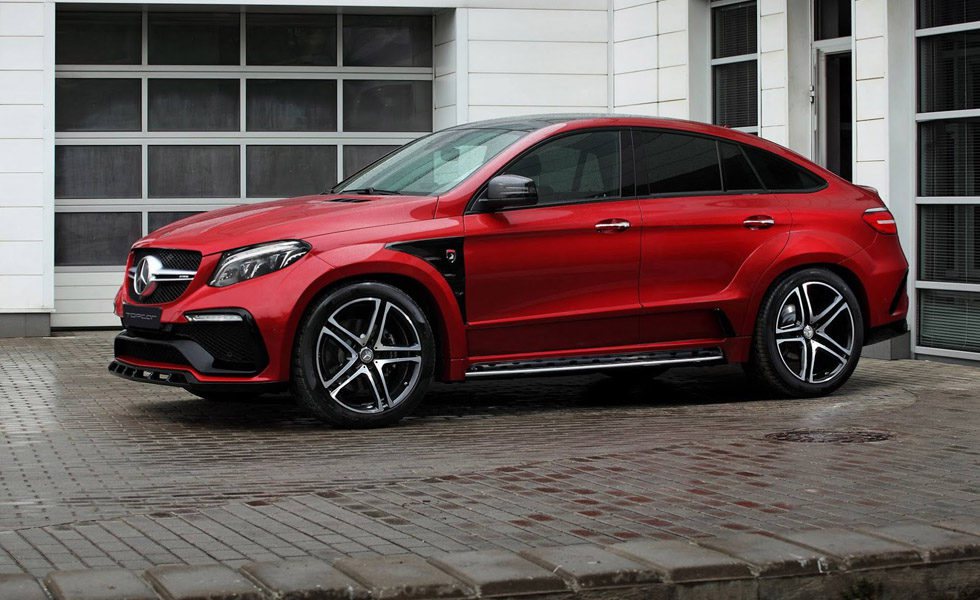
(98,471)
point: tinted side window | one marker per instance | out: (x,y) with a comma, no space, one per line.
(779,174)
(671,163)
(580,166)
(736,170)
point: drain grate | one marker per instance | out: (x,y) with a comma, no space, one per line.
(825,436)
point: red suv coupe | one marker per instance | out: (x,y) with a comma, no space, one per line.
(552,244)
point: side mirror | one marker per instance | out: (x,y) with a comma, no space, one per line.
(506,191)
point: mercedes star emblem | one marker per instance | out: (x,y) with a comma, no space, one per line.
(145,279)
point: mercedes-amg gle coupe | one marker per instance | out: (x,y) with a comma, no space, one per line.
(547,244)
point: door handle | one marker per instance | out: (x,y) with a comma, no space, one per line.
(759,222)
(612,225)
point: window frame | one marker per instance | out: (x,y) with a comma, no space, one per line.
(741,146)
(717,62)
(628,176)
(625,146)
(240,138)
(921,285)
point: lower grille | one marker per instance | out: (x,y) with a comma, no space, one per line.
(232,345)
(149,351)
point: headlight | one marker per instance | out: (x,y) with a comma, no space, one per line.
(249,263)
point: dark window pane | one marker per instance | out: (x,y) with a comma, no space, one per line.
(949,320)
(156,220)
(95,238)
(291,105)
(831,19)
(949,243)
(98,38)
(949,71)
(193,171)
(387,41)
(736,94)
(97,105)
(779,174)
(736,170)
(283,171)
(358,157)
(193,105)
(97,172)
(295,40)
(387,105)
(734,30)
(193,38)
(581,166)
(949,158)
(669,163)
(935,13)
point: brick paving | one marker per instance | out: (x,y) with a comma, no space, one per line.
(96,471)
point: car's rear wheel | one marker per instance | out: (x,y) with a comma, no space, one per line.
(364,356)
(808,335)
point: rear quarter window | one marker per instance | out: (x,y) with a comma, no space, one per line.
(781,175)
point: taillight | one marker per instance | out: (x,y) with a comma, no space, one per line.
(881,221)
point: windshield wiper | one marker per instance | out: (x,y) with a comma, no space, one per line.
(371,191)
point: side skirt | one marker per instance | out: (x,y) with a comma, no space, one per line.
(571,364)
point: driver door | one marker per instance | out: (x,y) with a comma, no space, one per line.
(562,275)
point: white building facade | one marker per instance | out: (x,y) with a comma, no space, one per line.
(117,118)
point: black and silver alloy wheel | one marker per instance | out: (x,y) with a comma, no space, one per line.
(808,335)
(369,356)
(364,356)
(814,332)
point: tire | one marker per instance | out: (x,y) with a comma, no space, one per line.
(364,356)
(817,347)
(635,374)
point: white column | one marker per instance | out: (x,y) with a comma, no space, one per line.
(652,58)
(444,87)
(26,156)
(773,71)
(871,95)
(536,60)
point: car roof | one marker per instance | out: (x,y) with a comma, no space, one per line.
(536,122)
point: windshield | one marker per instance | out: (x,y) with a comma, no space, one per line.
(432,165)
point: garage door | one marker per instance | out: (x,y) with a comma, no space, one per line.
(161,114)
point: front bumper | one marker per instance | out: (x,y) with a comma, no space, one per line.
(221,349)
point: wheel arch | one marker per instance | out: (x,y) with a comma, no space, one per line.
(850,278)
(438,304)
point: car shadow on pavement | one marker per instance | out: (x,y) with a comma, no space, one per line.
(485,399)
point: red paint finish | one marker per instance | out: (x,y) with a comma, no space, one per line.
(542,281)
(547,279)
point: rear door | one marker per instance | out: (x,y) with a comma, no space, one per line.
(705,216)
(561,275)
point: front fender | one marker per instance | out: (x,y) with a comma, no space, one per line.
(374,259)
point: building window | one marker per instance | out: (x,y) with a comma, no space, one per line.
(735,65)
(948,273)
(165,113)
(831,19)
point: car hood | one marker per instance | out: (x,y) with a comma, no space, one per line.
(295,218)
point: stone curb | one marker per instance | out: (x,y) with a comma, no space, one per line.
(902,560)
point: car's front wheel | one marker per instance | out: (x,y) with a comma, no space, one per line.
(808,335)
(364,356)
